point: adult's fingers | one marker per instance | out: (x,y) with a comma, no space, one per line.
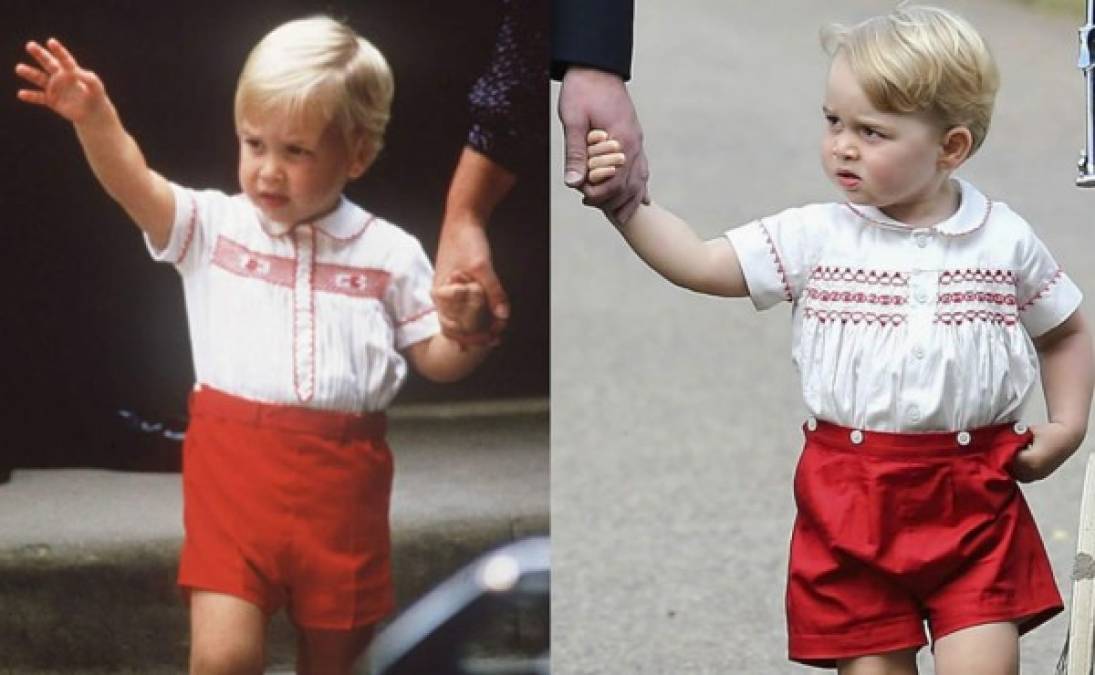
(602,193)
(638,182)
(624,212)
(497,301)
(574,161)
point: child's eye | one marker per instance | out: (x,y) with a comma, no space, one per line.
(832,120)
(870,133)
(297,151)
(253,143)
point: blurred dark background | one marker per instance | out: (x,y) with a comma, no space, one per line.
(94,327)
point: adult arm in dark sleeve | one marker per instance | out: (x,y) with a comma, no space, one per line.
(592,33)
(508,134)
(591,53)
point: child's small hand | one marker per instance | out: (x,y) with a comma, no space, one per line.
(462,306)
(62,85)
(604,156)
(1053,444)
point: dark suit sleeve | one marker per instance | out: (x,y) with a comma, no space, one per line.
(596,33)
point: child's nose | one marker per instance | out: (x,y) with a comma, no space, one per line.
(844,148)
(269,169)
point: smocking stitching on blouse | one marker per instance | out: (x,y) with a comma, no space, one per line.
(1044,290)
(778,262)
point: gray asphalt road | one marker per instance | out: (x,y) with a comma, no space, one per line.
(675,417)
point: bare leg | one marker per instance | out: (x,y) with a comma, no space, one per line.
(330,652)
(227,635)
(892,663)
(988,649)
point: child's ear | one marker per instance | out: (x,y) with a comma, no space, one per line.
(955,147)
(362,154)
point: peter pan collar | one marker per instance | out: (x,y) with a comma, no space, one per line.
(973,212)
(347,221)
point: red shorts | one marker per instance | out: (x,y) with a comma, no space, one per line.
(903,528)
(288,506)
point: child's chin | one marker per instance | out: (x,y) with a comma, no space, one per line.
(859,199)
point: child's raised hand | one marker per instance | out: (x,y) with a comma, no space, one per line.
(62,85)
(462,306)
(604,156)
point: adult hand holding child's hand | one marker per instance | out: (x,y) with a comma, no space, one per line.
(62,85)
(462,306)
(592,99)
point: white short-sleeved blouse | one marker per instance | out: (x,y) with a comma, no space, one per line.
(906,329)
(313,315)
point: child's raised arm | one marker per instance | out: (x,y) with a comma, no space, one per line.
(79,96)
(665,242)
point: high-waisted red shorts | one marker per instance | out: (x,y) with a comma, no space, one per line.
(897,529)
(288,506)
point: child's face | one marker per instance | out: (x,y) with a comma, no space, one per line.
(886,160)
(293,170)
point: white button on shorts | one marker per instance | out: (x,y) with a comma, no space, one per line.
(963,438)
(856,436)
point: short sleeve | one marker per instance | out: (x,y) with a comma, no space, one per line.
(773,253)
(187,235)
(1046,296)
(408,298)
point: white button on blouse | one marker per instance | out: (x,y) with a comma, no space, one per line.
(966,306)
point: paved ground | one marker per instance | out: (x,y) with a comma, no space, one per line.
(88,558)
(674,417)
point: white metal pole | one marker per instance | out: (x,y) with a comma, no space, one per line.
(1082,624)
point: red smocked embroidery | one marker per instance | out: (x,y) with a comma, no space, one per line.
(895,226)
(872,277)
(971,315)
(302,296)
(242,261)
(359,282)
(355,235)
(1044,290)
(778,262)
(855,297)
(848,316)
(416,316)
(1006,277)
(191,225)
(977,296)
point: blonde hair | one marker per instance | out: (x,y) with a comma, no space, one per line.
(319,69)
(922,60)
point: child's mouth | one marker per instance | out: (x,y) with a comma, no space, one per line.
(847,179)
(271,200)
